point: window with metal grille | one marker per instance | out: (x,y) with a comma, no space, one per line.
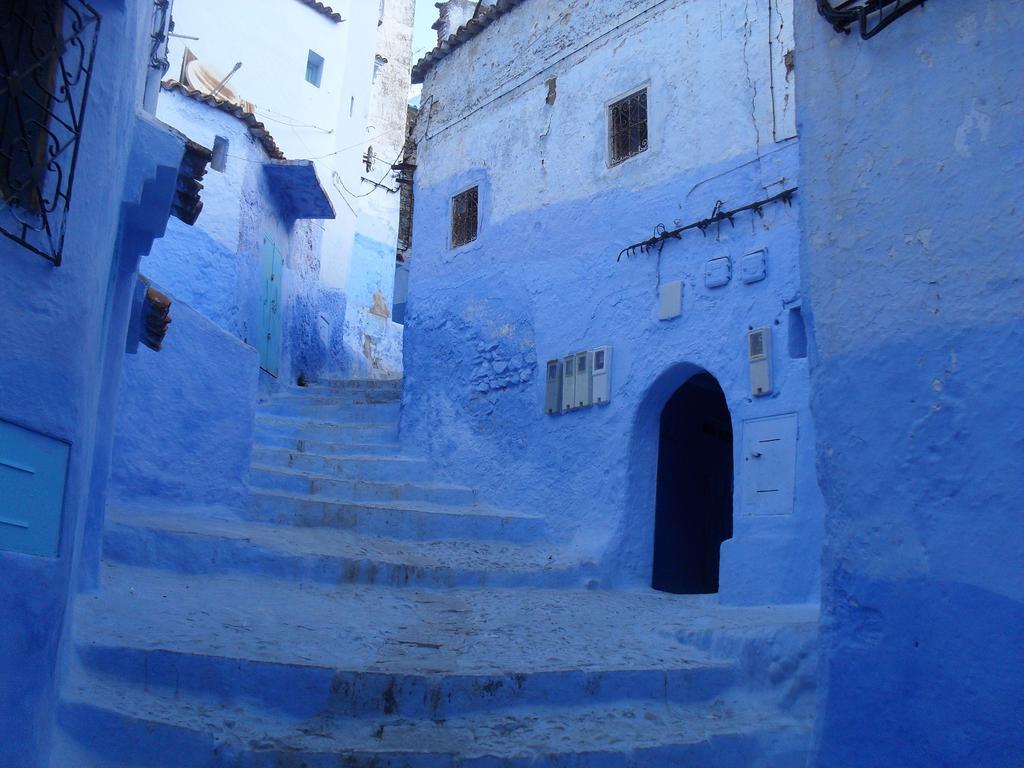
(46,62)
(627,127)
(464,217)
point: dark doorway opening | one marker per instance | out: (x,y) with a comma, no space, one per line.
(695,476)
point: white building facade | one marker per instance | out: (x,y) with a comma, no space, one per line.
(330,83)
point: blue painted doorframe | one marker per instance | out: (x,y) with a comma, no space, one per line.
(269,341)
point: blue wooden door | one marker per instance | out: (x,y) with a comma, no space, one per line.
(269,340)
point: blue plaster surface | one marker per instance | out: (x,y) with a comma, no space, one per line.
(913,273)
(184,428)
(483,318)
(298,189)
(59,329)
(541,280)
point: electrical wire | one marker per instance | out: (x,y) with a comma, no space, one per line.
(377,185)
(291,125)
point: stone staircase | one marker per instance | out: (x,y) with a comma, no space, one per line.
(357,614)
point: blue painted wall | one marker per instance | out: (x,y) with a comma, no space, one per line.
(912,155)
(541,281)
(61,330)
(184,426)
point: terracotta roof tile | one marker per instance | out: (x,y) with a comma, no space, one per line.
(256,129)
(326,10)
(484,17)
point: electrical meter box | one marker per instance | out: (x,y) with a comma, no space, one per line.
(718,272)
(602,375)
(769,465)
(584,379)
(754,267)
(759,347)
(569,383)
(553,391)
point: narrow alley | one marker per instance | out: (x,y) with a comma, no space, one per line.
(511,384)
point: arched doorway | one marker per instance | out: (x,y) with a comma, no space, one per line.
(694,493)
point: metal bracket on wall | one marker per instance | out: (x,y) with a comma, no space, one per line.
(661,235)
(871,16)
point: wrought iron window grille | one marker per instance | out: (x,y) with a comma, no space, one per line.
(870,16)
(465,210)
(627,127)
(47,53)
(160,52)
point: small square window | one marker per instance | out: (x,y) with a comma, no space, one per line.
(314,68)
(627,127)
(464,216)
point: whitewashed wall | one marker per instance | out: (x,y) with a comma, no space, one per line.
(333,125)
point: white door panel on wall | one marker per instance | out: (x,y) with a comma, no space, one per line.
(782,45)
(768,465)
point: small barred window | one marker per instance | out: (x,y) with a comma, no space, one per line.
(627,127)
(464,217)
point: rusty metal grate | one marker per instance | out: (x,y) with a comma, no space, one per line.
(464,216)
(627,127)
(47,48)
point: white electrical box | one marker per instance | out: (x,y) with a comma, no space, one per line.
(602,375)
(569,383)
(754,267)
(671,304)
(553,388)
(769,465)
(584,380)
(759,346)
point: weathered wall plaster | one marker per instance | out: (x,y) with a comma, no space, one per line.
(541,281)
(62,332)
(185,415)
(912,159)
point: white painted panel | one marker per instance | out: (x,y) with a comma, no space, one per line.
(783,73)
(769,465)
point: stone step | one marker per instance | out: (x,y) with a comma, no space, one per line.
(357,652)
(345,412)
(297,481)
(357,694)
(188,543)
(335,397)
(121,726)
(373,446)
(420,521)
(324,431)
(373,468)
(345,385)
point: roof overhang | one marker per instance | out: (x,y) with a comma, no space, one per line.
(325,10)
(297,188)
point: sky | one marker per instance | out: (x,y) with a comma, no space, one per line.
(423,39)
